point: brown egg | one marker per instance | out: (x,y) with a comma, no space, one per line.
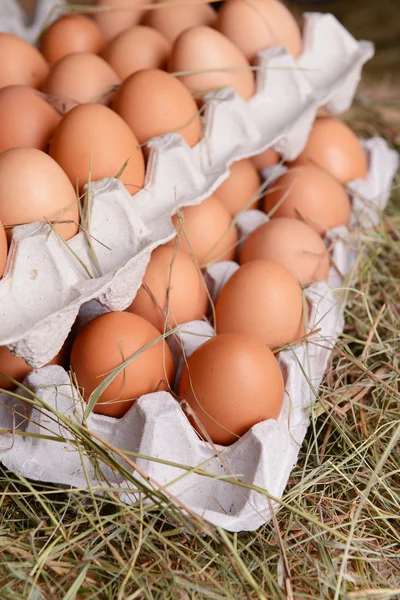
(113,22)
(15,366)
(172,20)
(240,191)
(173,291)
(334,147)
(38,188)
(205,232)
(291,243)
(309,194)
(149,114)
(95,130)
(21,63)
(82,77)
(258,24)
(69,34)
(104,344)
(206,50)
(137,48)
(231,382)
(26,119)
(3,249)
(265,159)
(262,299)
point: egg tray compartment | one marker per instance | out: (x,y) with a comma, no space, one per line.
(13,19)
(155,426)
(45,284)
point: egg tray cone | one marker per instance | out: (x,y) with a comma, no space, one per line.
(156,426)
(46,280)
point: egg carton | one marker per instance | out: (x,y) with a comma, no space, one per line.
(46,281)
(156,427)
(14,20)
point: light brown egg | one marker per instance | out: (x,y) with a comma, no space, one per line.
(221,63)
(113,22)
(205,232)
(231,382)
(334,147)
(137,48)
(104,344)
(15,366)
(172,292)
(149,114)
(239,191)
(33,187)
(171,20)
(291,243)
(82,77)
(92,130)
(21,63)
(265,159)
(26,119)
(3,249)
(258,24)
(309,194)
(71,33)
(262,299)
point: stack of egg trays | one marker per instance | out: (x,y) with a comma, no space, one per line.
(49,283)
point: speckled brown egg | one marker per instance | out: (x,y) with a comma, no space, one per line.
(173,290)
(262,299)
(113,22)
(39,190)
(240,191)
(137,48)
(309,194)
(206,232)
(71,33)
(259,24)
(21,63)
(92,130)
(334,147)
(231,382)
(220,64)
(26,119)
(82,77)
(149,114)
(172,20)
(291,243)
(3,249)
(104,344)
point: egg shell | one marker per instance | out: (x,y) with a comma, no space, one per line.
(265,159)
(204,49)
(34,187)
(82,77)
(231,382)
(312,195)
(206,232)
(69,34)
(21,63)
(18,369)
(291,243)
(94,130)
(149,114)
(334,147)
(258,24)
(113,22)
(26,119)
(262,299)
(104,344)
(173,290)
(137,48)
(239,192)
(171,21)
(3,249)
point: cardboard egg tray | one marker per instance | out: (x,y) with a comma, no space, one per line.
(49,284)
